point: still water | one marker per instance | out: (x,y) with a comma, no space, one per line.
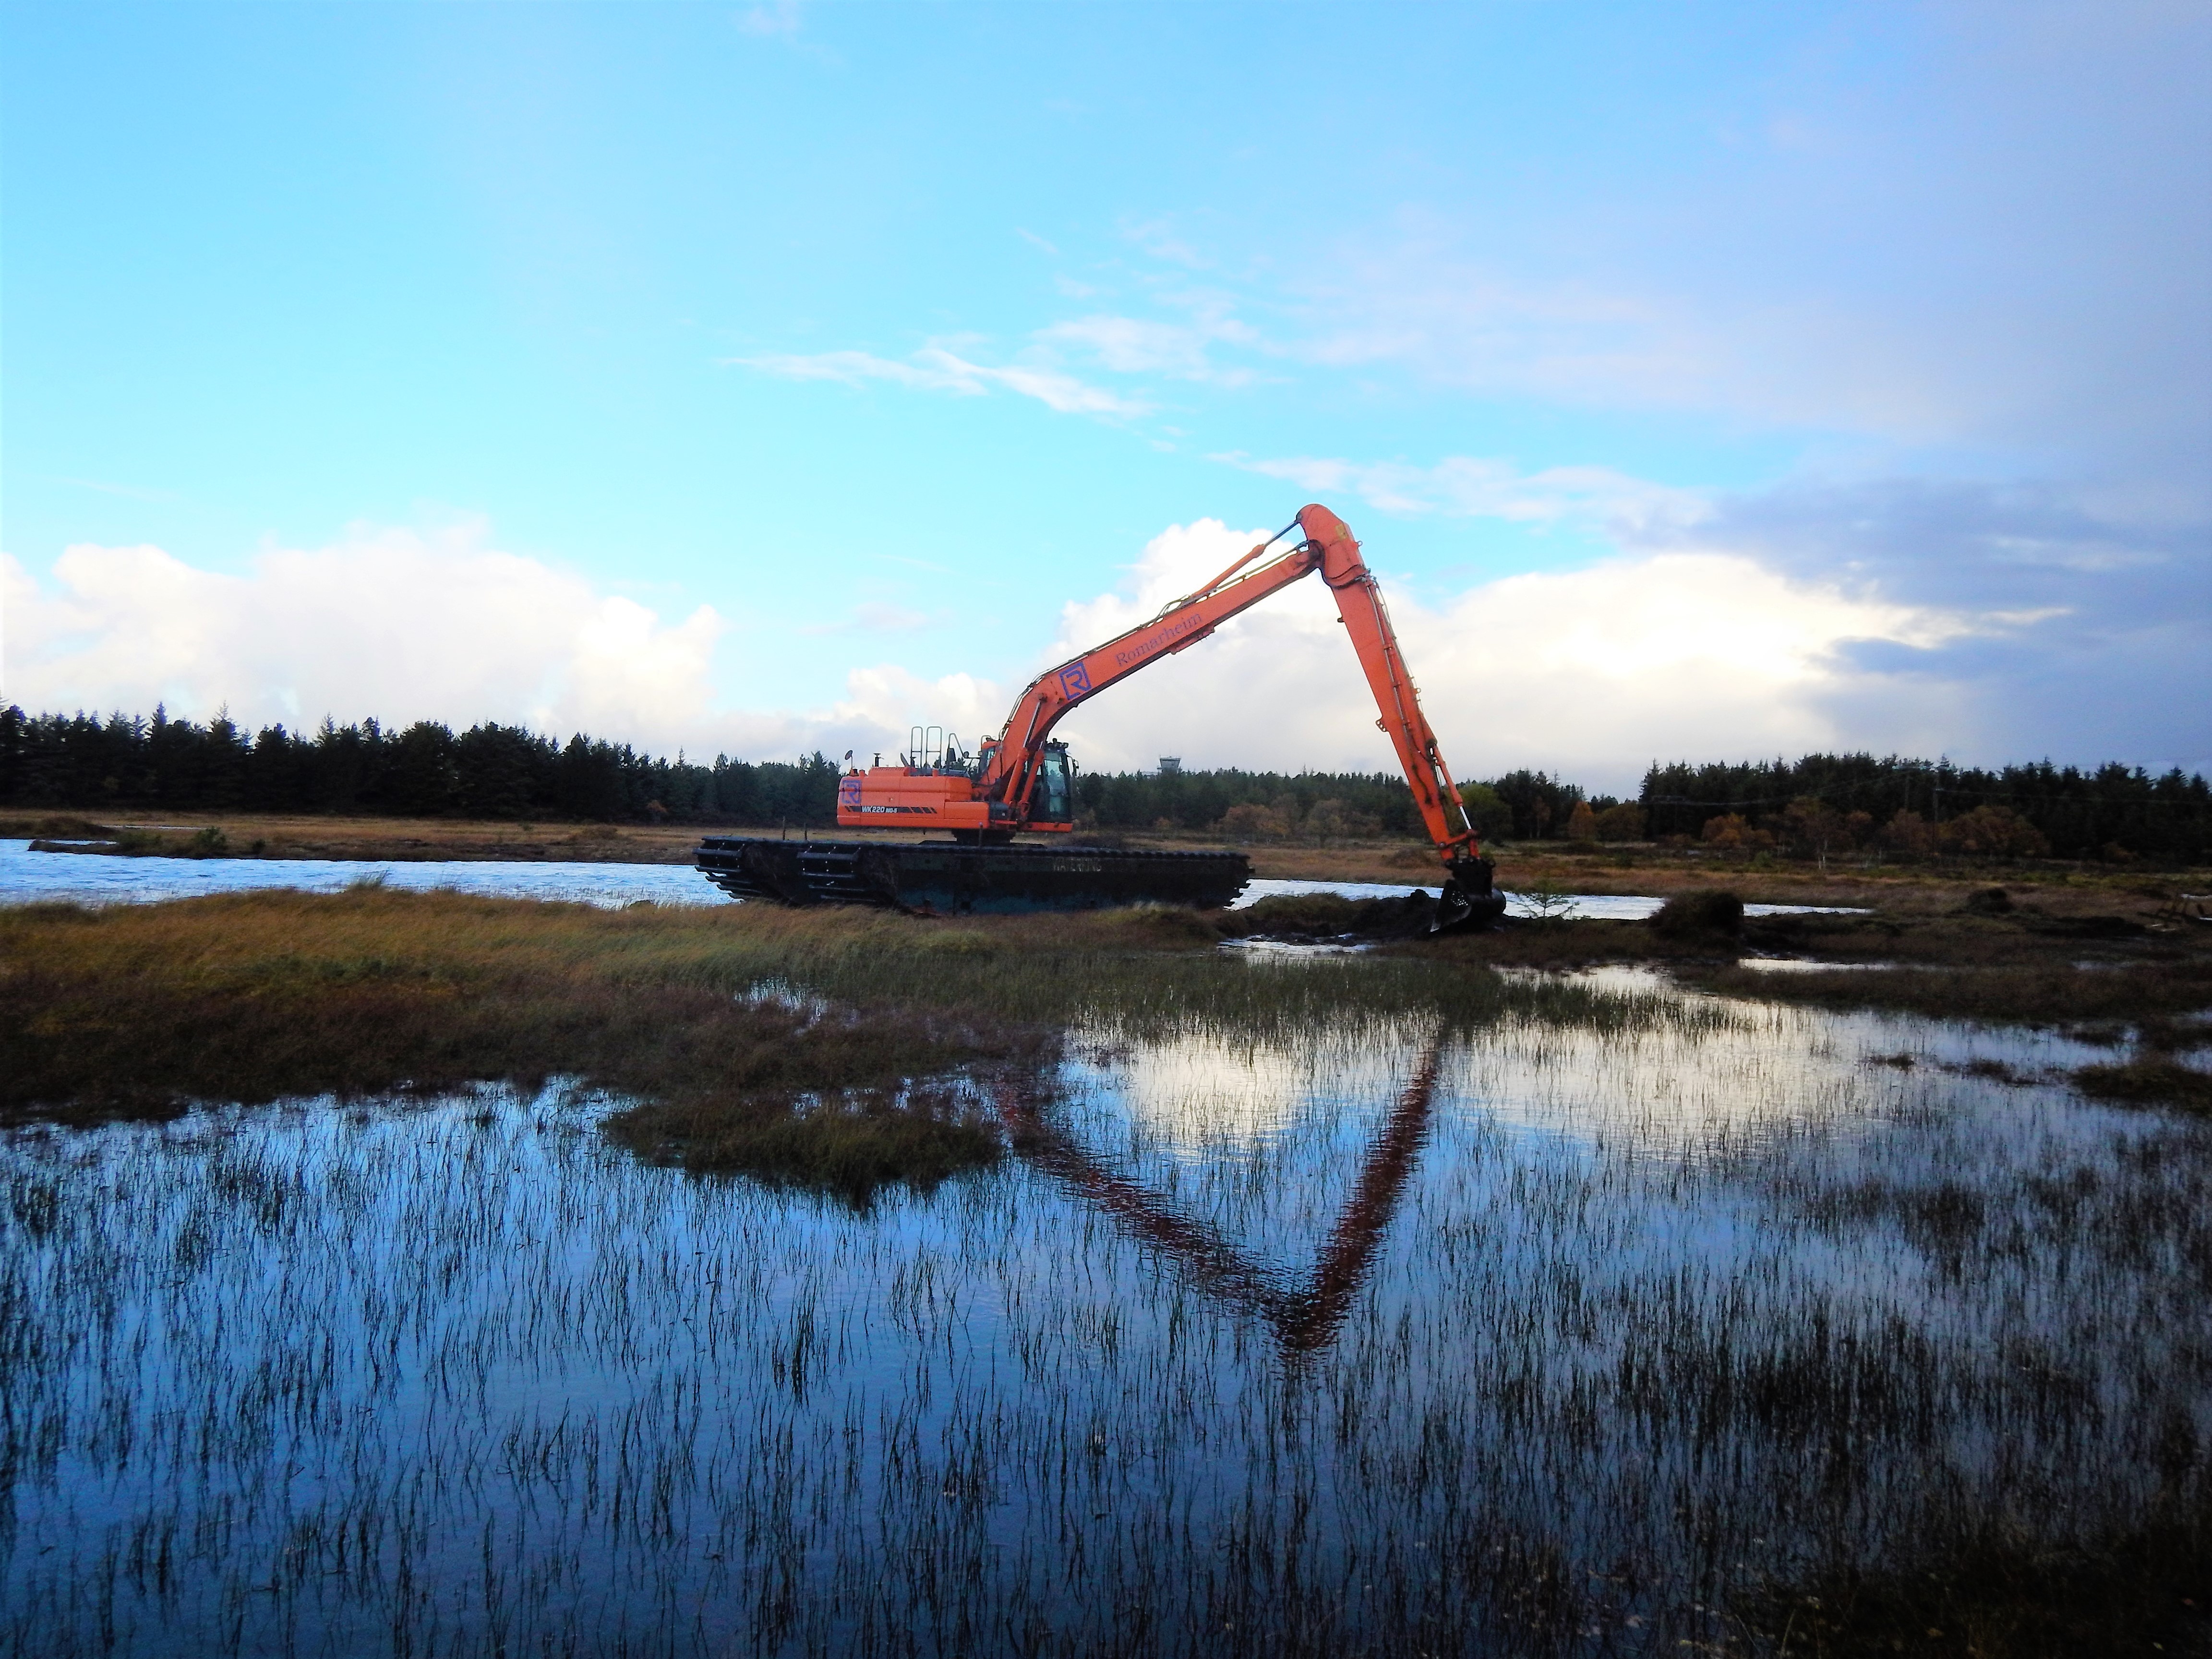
(1575,1333)
(106,878)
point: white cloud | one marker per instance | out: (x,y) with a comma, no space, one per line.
(1591,672)
(406,626)
(1688,650)
(403,625)
(885,702)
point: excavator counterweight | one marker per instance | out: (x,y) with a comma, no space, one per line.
(1022,781)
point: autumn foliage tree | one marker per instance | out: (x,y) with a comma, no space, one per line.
(1623,821)
(1992,832)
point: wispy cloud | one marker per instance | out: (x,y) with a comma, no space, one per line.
(1477,487)
(1159,240)
(1137,345)
(918,564)
(776,19)
(857,368)
(935,369)
(874,616)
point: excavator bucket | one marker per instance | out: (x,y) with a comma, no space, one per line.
(1468,899)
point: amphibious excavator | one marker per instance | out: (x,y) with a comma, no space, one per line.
(1022,781)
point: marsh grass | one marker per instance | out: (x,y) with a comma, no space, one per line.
(2035,992)
(1686,1323)
(134,1012)
(1991,1592)
(1676,1323)
(2148,1079)
(137,1012)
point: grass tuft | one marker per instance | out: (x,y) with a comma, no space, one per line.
(2147,1080)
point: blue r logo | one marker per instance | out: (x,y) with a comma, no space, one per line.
(1074,683)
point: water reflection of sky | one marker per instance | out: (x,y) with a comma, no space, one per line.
(1722,1069)
(1718,1286)
(106,878)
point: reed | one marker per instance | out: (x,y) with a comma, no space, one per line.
(1556,1333)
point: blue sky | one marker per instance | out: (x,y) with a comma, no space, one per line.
(756,349)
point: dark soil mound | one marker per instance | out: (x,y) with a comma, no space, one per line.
(1319,918)
(1714,913)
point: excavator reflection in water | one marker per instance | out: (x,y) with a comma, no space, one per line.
(1022,781)
(1305,1317)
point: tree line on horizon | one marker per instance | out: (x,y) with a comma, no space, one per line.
(1815,805)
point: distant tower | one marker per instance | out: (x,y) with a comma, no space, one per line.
(1170,765)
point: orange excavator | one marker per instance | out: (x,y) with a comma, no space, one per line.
(1022,781)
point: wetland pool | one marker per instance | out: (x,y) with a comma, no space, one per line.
(1586,1331)
(112,879)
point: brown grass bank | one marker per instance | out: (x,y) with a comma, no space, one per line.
(136,1011)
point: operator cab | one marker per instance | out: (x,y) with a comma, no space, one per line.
(1053,803)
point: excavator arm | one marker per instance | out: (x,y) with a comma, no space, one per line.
(1010,762)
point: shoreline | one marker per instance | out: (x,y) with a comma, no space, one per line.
(1593,868)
